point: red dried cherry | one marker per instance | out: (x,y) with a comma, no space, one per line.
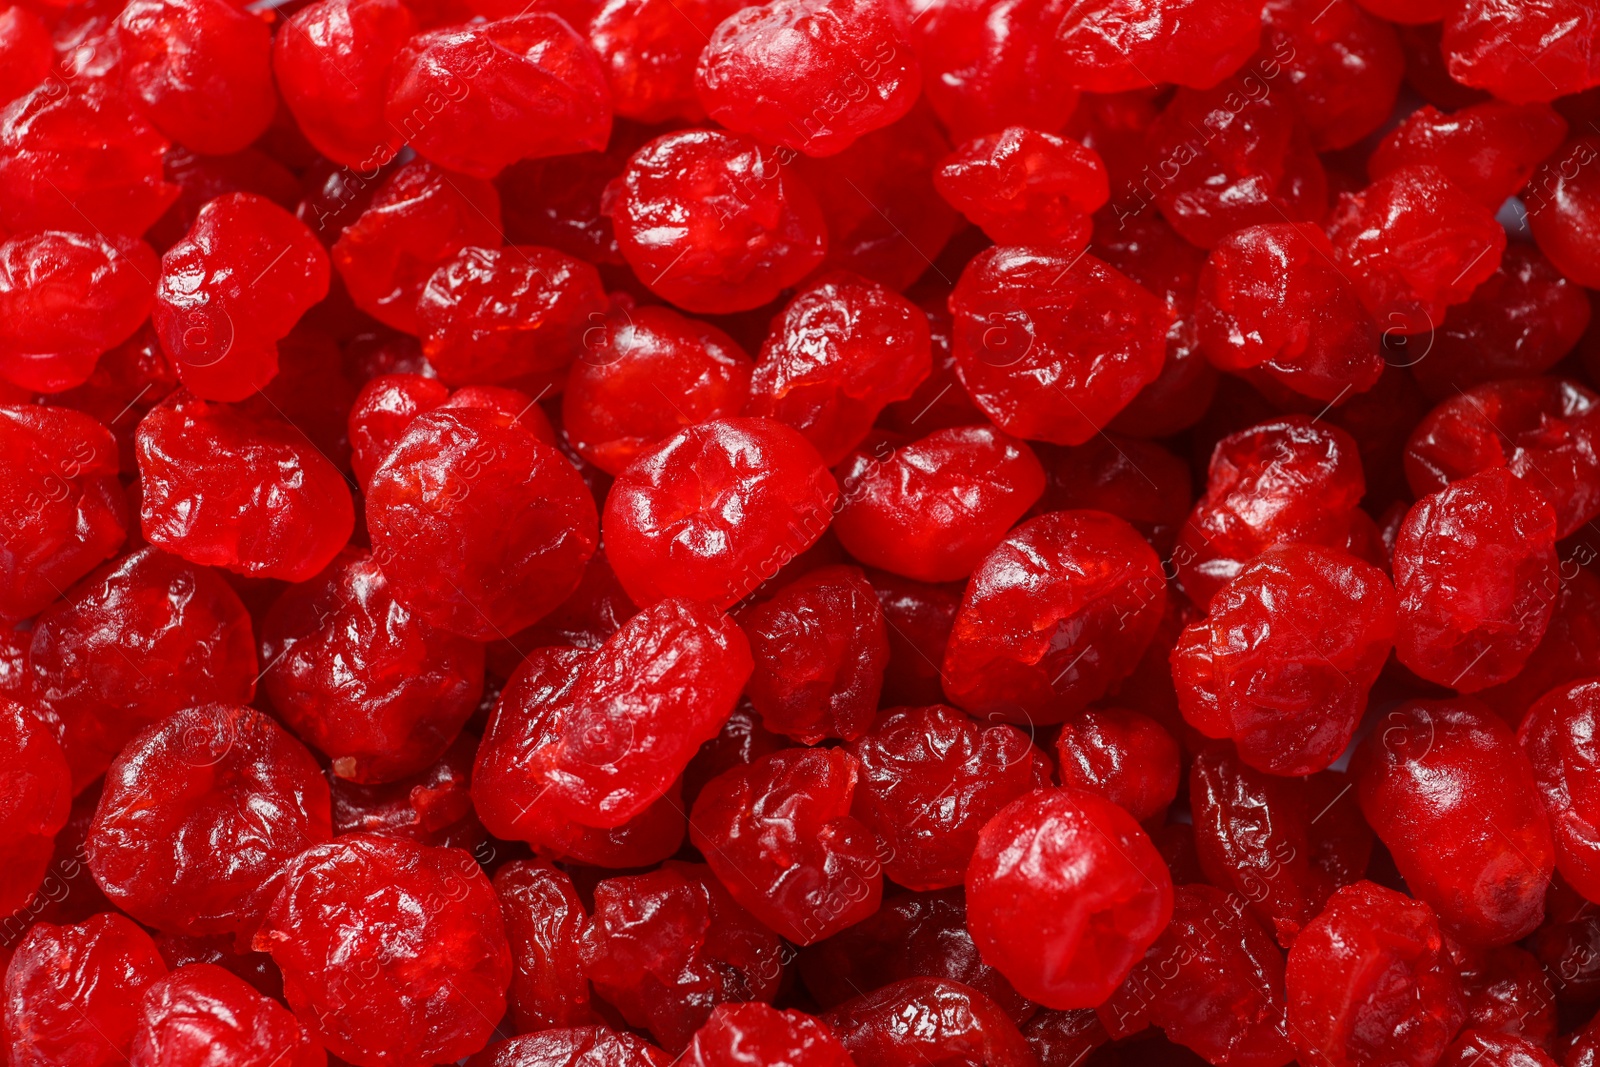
(200,1012)
(382,411)
(1123,756)
(1026,187)
(1488,150)
(754,1035)
(1545,51)
(544,918)
(1563,203)
(26,52)
(581,1046)
(1343,67)
(431,807)
(927,1020)
(34,802)
(649,50)
(1555,738)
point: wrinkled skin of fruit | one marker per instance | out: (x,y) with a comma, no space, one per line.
(1522,53)
(226,488)
(666,947)
(1555,737)
(140,638)
(1414,244)
(820,646)
(1108,47)
(654,692)
(1446,788)
(1051,347)
(496,314)
(928,1020)
(332,59)
(431,807)
(779,835)
(584,1046)
(80,157)
(232,289)
(1506,992)
(419,218)
(754,1035)
(1026,187)
(649,50)
(1055,616)
(126,383)
(715,510)
(362,679)
(544,919)
(1213,981)
(812,75)
(1369,982)
(1284,661)
(913,935)
(839,352)
(1488,150)
(932,509)
(63,509)
(382,411)
(1271,300)
(392,952)
(1494,1050)
(1064,895)
(200,814)
(1563,205)
(1128,758)
(1287,481)
(77,989)
(66,298)
(200,70)
(35,799)
(476,97)
(930,778)
(716,223)
(1546,431)
(201,1012)
(26,52)
(644,374)
(480,527)
(1343,67)
(1475,568)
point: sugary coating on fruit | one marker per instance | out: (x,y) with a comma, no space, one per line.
(1128,758)
(820,646)
(201,1014)
(1488,150)
(431,807)
(1064,894)
(1414,243)
(1283,661)
(62,509)
(1475,568)
(1370,982)
(1524,52)
(1475,1047)
(418,219)
(200,813)
(480,527)
(199,70)
(78,156)
(1271,300)
(928,1020)
(715,510)
(1054,617)
(361,678)
(142,637)
(228,488)
(382,411)
(643,374)
(26,52)
(126,382)
(837,354)
(714,222)
(779,835)
(332,59)
(1213,981)
(812,75)
(1507,992)
(666,947)
(652,694)
(1291,480)
(1343,67)
(934,508)
(930,778)
(544,918)
(476,97)
(72,992)
(649,50)
(497,314)
(1555,736)
(1564,210)
(914,935)
(581,1046)
(1026,187)
(392,952)
(1449,792)
(232,289)
(1110,47)
(754,1035)
(1236,157)
(1279,843)
(65,298)
(35,798)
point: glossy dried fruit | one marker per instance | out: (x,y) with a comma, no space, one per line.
(1563,204)
(200,1013)
(1109,48)
(754,1035)
(35,801)
(584,1046)
(1487,150)
(1123,756)
(928,1020)
(1555,738)
(544,919)
(1521,53)
(431,807)
(1343,67)
(1026,187)
(26,52)
(649,50)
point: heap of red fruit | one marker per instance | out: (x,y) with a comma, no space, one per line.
(827,533)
